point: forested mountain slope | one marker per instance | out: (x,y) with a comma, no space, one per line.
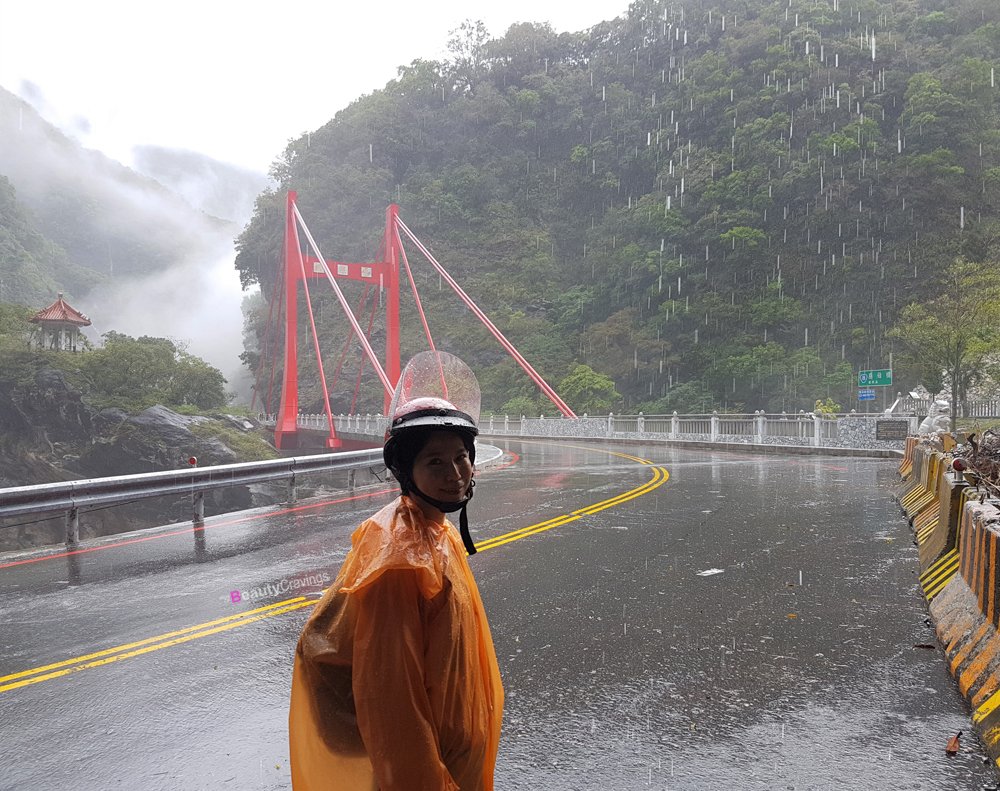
(715,204)
(71,217)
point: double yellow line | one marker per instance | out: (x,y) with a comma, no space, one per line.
(109,655)
(660,477)
(35,675)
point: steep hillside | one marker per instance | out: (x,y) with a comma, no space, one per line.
(713,203)
(32,268)
(127,249)
(108,218)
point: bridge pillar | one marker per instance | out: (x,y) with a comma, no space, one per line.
(391,252)
(286,429)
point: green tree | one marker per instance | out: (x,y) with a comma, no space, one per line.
(467,47)
(827,407)
(521,405)
(585,390)
(956,331)
(135,373)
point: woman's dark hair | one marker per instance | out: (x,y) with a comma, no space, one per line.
(401,451)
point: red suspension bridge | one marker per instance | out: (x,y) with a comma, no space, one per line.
(380,278)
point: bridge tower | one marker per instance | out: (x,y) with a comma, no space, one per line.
(383,274)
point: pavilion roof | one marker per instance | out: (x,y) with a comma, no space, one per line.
(61,311)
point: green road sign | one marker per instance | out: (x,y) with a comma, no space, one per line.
(881,378)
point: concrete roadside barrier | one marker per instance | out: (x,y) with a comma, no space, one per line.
(966,614)
(937,535)
(957,531)
(910,450)
(924,491)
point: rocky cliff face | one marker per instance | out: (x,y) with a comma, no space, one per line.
(48,433)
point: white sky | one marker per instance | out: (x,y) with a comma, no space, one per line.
(233,79)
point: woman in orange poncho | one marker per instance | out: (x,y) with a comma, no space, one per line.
(396,684)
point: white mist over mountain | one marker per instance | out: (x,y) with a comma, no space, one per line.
(203,97)
(159,264)
(232,79)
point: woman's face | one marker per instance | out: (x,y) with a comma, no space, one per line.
(442,469)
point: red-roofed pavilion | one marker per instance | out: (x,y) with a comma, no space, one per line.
(59,325)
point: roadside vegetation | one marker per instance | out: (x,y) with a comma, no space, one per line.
(127,373)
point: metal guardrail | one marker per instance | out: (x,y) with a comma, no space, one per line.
(70,496)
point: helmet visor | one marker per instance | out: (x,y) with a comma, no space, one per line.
(435,381)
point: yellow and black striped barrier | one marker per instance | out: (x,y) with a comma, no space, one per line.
(957,535)
(906,465)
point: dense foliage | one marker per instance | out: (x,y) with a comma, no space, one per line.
(32,268)
(952,340)
(714,204)
(127,373)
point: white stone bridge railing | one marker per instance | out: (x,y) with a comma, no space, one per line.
(853,430)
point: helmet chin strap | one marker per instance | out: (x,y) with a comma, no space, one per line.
(447,508)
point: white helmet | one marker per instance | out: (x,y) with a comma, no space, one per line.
(435,391)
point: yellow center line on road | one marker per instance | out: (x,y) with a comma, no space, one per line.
(107,656)
(151,644)
(660,477)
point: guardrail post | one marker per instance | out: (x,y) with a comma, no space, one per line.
(198,507)
(715,426)
(675,425)
(72,527)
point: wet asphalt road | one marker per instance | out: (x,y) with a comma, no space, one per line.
(750,623)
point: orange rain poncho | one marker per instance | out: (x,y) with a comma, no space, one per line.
(396,685)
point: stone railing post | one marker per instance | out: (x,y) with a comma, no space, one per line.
(817,430)
(640,423)
(760,427)
(715,426)
(675,425)
(611,423)
(506,424)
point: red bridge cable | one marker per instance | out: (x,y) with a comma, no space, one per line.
(361,368)
(535,376)
(420,310)
(319,358)
(343,304)
(350,337)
